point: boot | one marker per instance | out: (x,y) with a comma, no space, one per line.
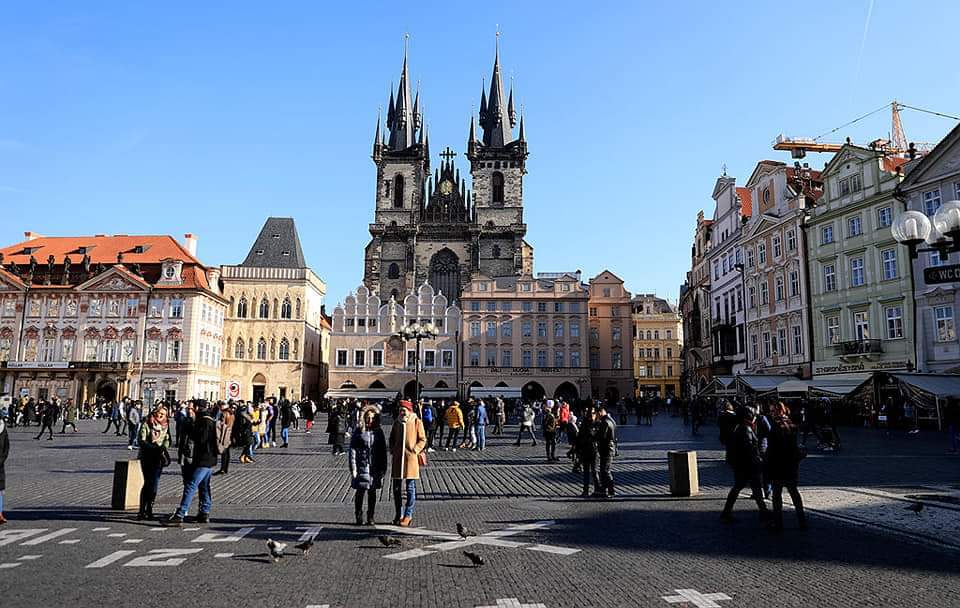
(142,513)
(359,517)
(370,521)
(586,492)
(148,511)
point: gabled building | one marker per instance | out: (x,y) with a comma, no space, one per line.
(929,182)
(657,344)
(109,317)
(611,345)
(697,352)
(861,296)
(775,268)
(277,332)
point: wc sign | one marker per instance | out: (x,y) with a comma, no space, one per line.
(233,389)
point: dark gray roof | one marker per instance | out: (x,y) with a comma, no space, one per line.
(278,246)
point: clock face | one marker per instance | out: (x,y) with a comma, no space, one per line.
(446,187)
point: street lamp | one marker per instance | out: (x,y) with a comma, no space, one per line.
(942,235)
(418,332)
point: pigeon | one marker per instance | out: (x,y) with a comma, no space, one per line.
(473,557)
(305,546)
(463,532)
(389,541)
(915,507)
(276,549)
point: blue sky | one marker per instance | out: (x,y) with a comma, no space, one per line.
(177,118)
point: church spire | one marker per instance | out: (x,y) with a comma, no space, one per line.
(495,120)
(510,109)
(403,125)
(376,138)
(522,136)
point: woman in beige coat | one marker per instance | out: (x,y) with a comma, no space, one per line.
(407,441)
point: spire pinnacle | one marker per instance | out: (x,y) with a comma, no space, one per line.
(405,120)
(522,136)
(511,111)
(495,117)
(376,136)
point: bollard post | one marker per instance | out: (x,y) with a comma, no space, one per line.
(127,483)
(684,480)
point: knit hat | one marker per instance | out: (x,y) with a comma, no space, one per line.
(407,405)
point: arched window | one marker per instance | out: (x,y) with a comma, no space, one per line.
(264,309)
(497,189)
(298,308)
(262,349)
(398,192)
(284,350)
(242,308)
(393,272)
(649,335)
(238,353)
(656,334)
(286,311)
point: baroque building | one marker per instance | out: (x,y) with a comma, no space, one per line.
(277,334)
(431,228)
(695,311)
(657,344)
(611,346)
(109,317)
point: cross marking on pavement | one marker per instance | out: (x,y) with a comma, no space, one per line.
(512,602)
(494,538)
(700,600)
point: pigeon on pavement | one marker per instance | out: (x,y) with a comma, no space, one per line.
(463,532)
(915,507)
(305,546)
(276,549)
(473,557)
(389,541)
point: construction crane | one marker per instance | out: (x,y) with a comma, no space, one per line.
(897,144)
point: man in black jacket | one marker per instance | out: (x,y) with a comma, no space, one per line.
(197,453)
(606,448)
(743,454)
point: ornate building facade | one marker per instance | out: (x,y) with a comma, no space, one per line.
(277,335)
(611,347)
(433,229)
(695,310)
(657,344)
(109,317)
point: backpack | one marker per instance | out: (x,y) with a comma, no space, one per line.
(428,414)
(549,423)
(224,436)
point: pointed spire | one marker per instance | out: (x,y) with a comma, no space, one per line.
(417,116)
(483,102)
(522,136)
(426,144)
(377,136)
(391,113)
(496,123)
(403,126)
(510,109)
(473,131)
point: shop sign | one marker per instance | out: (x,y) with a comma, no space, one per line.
(864,366)
(941,274)
(233,389)
(38,364)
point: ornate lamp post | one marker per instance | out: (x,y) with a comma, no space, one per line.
(912,228)
(418,332)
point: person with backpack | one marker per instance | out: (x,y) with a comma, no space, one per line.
(286,419)
(197,451)
(549,428)
(480,423)
(427,415)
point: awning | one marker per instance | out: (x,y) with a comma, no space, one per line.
(361,393)
(938,385)
(438,393)
(793,386)
(720,385)
(839,384)
(760,383)
(507,392)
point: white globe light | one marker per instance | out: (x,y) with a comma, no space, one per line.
(415,328)
(429,328)
(935,235)
(911,227)
(947,217)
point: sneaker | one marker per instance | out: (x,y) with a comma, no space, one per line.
(129,447)
(202,518)
(3,520)
(454,450)
(405,522)
(174,521)
(430,450)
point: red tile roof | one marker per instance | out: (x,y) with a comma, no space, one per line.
(892,163)
(746,202)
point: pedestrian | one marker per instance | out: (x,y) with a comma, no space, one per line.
(428,416)
(764,427)
(501,416)
(368,463)
(197,452)
(951,415)
(48,416)
(586,447)
(286,419)
(153,457)
(4,452)
(470,427)
(606,437)
(454,417)
(696,412)
(549,428)
(69,416)
(133,425)
(481,423)
(336,430)
(309,411)
(727,422)
(526,424)
(228,418)
(743,455)
(783,465)
(243,425)
(407,441)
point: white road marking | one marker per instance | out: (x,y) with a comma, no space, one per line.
(161,557)
(554,550)
(132,541)
(116,535)
(272,528)
(109,559)
(71,541)
(10,565)
(49,536)
(699,600)
(318,605)
(222,555)
(100,529)
(11,536)
(512,602)
(216,537)
(309,534)
(190,529)
(27,558)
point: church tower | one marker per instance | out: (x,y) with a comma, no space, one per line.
(498,164)
(401,152)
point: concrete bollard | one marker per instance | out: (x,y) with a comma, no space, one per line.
(127,483)
(684,480)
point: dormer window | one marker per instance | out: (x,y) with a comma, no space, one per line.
(275,236)
(171,271)
(285,253)
(259,251)
(138,249)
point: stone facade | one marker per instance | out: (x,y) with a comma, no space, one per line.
(109,317)
(695,312)
(368,354)
(527,334)
(657,345)
(726,286)
(611,346)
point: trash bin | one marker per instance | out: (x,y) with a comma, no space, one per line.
(127,483)
(684,480)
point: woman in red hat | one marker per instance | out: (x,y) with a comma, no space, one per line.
(407,441)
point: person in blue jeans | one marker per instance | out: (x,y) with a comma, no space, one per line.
(407,441)
(481,426)
(197,453)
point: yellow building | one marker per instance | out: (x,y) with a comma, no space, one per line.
(657,341)
(277,335)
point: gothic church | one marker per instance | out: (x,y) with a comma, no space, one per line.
(432,228)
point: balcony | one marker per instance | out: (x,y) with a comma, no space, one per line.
(853,348)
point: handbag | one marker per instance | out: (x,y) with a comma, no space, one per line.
(165,459)
(422,459)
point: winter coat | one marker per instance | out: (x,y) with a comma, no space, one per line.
(286,414)
(606,430)
(727,421)
(4,451)
(337,428)
(783,453)
(586,441)
(528,416)
(368,459)
(407,440)
(202,433)
(454,417)
(743,451)
(70,413)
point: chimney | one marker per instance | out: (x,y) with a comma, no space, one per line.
(190,242)
(213,277)
(31,235)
